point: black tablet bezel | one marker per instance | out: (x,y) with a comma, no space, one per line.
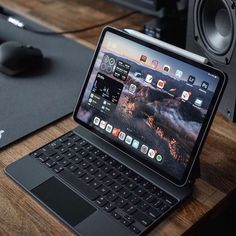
(207,122)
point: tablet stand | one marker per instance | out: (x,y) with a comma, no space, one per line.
(195,172)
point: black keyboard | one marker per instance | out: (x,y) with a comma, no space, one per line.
(131,199)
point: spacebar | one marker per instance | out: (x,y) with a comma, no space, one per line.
(79,185)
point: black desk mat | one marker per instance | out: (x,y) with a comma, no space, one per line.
(35,99)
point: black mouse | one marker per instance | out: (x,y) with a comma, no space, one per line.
(16,58)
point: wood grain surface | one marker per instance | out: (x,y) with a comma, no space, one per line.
(21,215)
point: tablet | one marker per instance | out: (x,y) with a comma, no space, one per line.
(153,104)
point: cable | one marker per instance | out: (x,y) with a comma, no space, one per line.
(21,25)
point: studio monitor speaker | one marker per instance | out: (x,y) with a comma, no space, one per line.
(211,32)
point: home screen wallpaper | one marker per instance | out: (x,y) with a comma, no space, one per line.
(148,102)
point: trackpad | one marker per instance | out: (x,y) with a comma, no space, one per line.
(63,201)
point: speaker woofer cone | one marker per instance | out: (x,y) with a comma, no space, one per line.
(215,25)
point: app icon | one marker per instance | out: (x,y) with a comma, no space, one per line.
(143,58)
(151,153)
(103,124)
(132,88)
(122,136)
(144,149)
(128,139)
(166,68)
(161,83)
(96,121)
(109,128)
(112,61)
(159,158)
(137,74)
(135,144)
(204,85)
(185,95)
(198,102)
(191,79)
(178,74)
(149,79)
(115,132)
(154,64)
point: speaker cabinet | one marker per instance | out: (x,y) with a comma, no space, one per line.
(212,33)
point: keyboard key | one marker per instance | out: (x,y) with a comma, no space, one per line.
(91,158)
(90,147)
(125,222)
(134,199)
(83,153)
(139,191)
(109,207)
(115,215)
(122,179)
(116,187)
(43,158)
(57,158)
(150,198)
(62,150)
(121,167)
(36,154)
(64,162)
(112,162)
(158,203)
(68,143)
(153,213)
(129,218)
(114,174)
(143,206)
(48,151)
(106,168)
(75,138)
(124,193)
(154,189)
(103,190)
(146,184)
(112,196)
(58,169)
(100,175)
(159,193)
(138,179)
(131,186)
(84,164)
(98,163)
(69,154)
(95,184)
(134,229)
(164,208)
(97,152)
(104,157)
(130,209)
(92,170)
(50,163)
(72,168)
(87,178)
(80,173)
(55,144)
(129,173)
(121,203)
(107,181)
(101,201)
(77,159)
(76,148)
(82,142)
(170,200)
(79,185)
(142,218)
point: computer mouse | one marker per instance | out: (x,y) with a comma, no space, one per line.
(16,58)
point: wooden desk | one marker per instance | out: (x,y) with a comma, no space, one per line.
(21,215)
